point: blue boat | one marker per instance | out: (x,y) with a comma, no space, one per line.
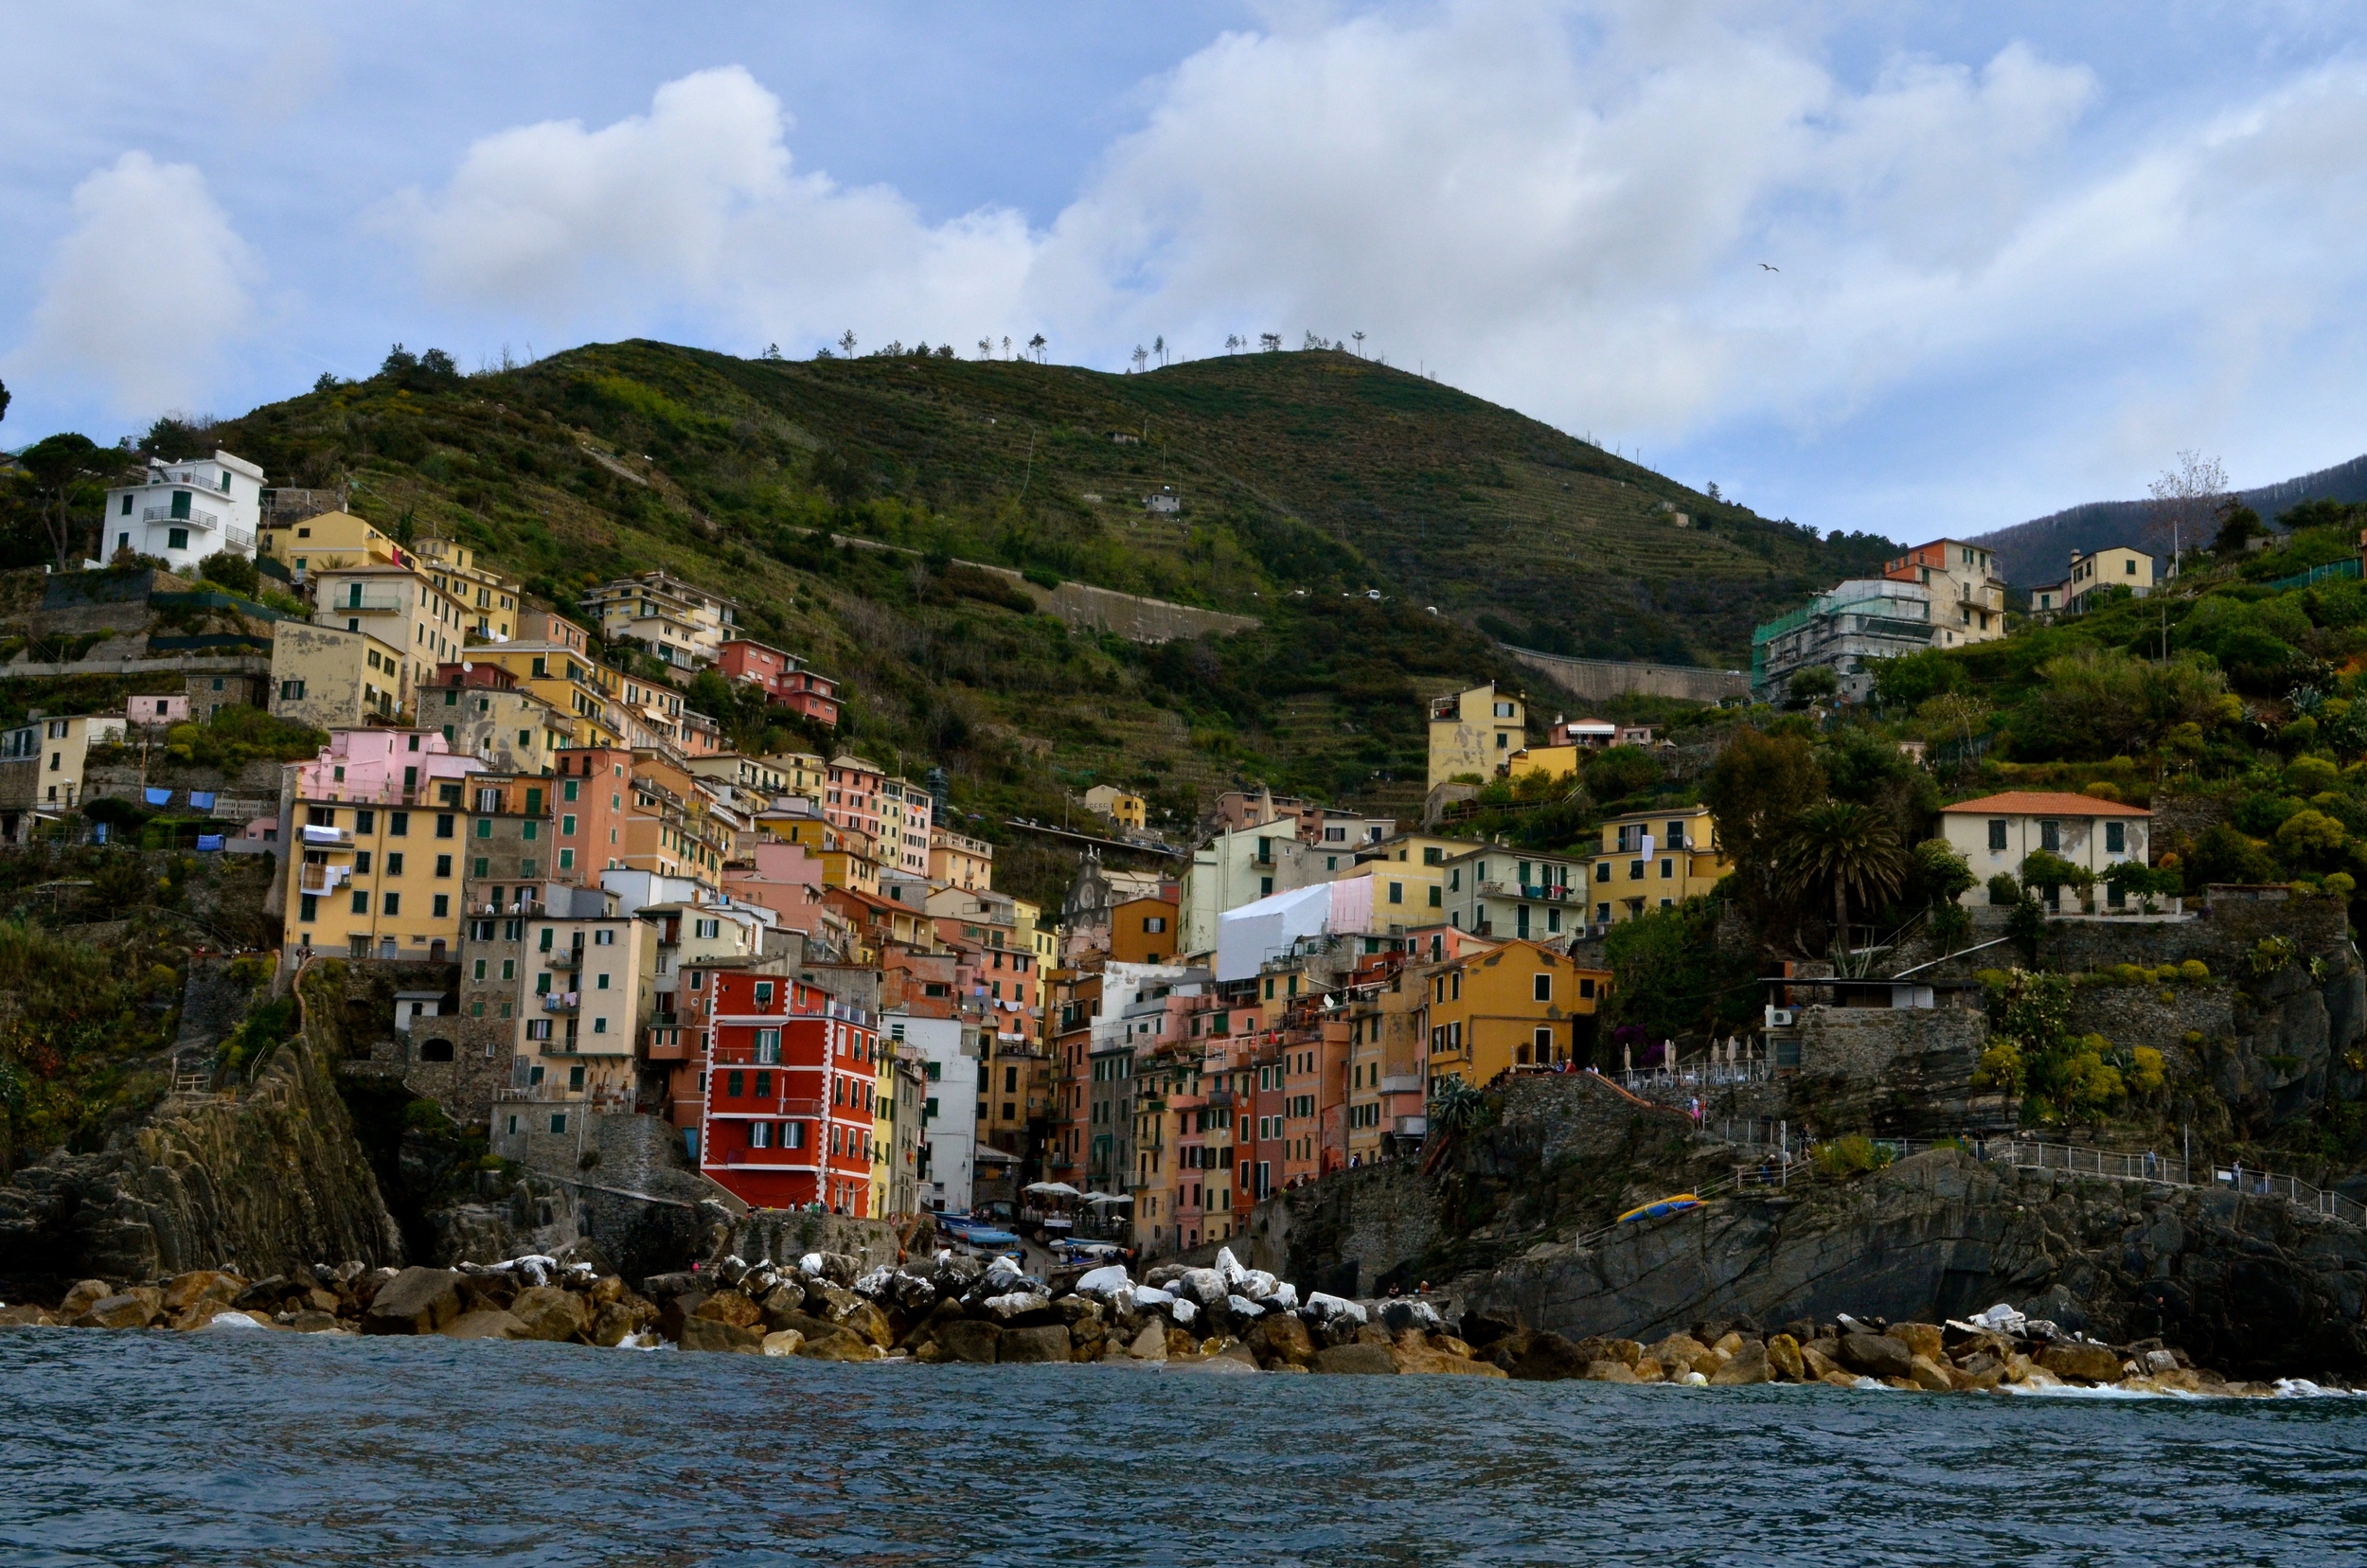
(1662,1208)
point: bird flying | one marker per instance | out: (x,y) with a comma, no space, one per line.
(1764,267)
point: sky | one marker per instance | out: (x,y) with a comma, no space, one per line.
(1917,269)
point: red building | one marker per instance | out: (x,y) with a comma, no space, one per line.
(789,1081)
(785,680)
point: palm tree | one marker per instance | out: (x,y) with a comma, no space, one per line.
(1853,848)
(1455,1108)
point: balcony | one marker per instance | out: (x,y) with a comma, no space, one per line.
(1410,1127)
(1535,892)
(194,518)
(318,880)
(562,958)
(367,604)
(562,1002)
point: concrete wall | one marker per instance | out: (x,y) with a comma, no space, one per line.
(1599,680)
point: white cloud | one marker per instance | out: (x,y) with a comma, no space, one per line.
(1563,206)
(695,208)
(145,294)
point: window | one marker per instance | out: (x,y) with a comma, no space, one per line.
(1154,924)
(1436,897)
(365,822)
(443,905)
(567,824)
(444,821)
(311,907)
(2051,836)
(360,903)
(394,903)
(567,792)
(176,539)
(1397,893)
(1667,869)
(2116,838)
(1602,870)
(394,864)
(764,993)
(292,691)
(1997,835)
(362,863)
(1635,870)
(1544,987)
(484,827)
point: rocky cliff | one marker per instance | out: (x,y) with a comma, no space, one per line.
(2249,1283)
(262,1182)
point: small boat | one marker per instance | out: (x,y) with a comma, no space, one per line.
(1662,1208)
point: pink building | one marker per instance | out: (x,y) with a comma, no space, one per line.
(785,879)
(851,798)
(785,680)
(386,767)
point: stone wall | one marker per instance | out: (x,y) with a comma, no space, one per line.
(2158,1017)
(1600,679)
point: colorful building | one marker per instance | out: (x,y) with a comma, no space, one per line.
(792,1089)
(1652,861)
(378,846)
(1516,1006)
(1473,733)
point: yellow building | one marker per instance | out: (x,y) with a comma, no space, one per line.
(43,761)
(670,830)
(802,774)
(578,690)
(1474,733)
(395,605)
(329,678)
(1408,877)
(1514,1007)
(508,728)
(2116,567)
(959,861)
(1553,761)
(375,844)
(1126,810)
(490,599)
(840,851)
(325,541)
(1651,861)
(678,622)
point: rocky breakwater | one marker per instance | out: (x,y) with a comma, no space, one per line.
(2000,1349)
(954,1309)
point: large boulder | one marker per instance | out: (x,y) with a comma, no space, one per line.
(24,1315)
(2096,1363)
(612,1325)
(706,1334)
(868,1324)
(1151,1343)
(1046,1342)
(1931,1376)
(487,1323)
(1922,1338)
(840,1345)
(1679,1352)
(1783,1355)
(417,1301)
(550,1312)
(1397,1316)
(969,1340)
(1107,1280)
(1203,1287)
(134,1308)
(182,1291)
(737,1309)
(1749,1363)
(1877,1356)
(783,1341)
(1281,1336)
(1016,1307)
(1369,1359)
(85,1294)
(780,1301)
(1607,1370)
(929,1327)
(1550,1357)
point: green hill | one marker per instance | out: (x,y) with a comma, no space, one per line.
(1303,478)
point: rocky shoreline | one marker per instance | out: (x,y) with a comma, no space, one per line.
(1225,1318)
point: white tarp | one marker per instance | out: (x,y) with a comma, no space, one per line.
(1351,905)
(1249,935)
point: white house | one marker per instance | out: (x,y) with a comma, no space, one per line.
(184,512)
(948,1052)
(1996,832)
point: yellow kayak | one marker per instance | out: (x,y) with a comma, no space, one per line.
(1661,1208)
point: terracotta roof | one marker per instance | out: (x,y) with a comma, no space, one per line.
(2045,802)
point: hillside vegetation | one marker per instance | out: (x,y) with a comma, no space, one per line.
(1305,479)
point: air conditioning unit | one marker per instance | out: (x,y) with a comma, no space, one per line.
(1782,1018)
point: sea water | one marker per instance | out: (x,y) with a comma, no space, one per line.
(251,1447)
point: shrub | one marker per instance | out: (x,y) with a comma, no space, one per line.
(2145,1074)
(2272,954)
(1852,1156)
(2194,969)
(2005,892)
